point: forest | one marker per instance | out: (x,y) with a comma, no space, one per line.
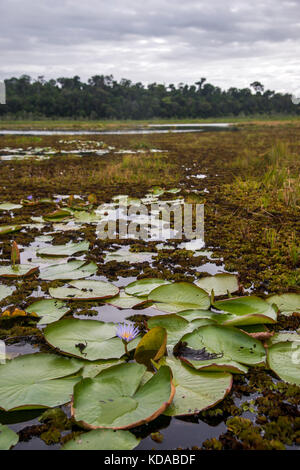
(103,97)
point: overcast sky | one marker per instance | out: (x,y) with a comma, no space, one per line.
(230,42)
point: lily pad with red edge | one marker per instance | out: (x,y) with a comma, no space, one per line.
(117,398)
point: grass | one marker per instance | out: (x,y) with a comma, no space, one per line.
(72,124)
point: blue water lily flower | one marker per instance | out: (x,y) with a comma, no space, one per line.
(127,332)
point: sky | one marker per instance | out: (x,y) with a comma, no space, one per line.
(230,42)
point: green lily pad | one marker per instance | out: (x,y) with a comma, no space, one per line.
(124,301)
(36,381)
(221,284)
(143,287)
(48,309)
(179,296)
(284,360)
(98,339)
(196,391)
(232,343)
(19,270)
(5,229)
(91,369)
(173,190)
(116,399)
(64,250)
(247,310)
(123,256)
(286,303)
(103,439)
(57,215)
(85,290)
(195,314)
(75,269)
(5,291)
(9,206)
(8,437)
(152,346)
(176,326)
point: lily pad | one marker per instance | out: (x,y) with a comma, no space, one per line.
(5,229)
(9,206)
(176,326)
(247,310)
(221,284)
(19,270)
(179,296)
(151,346)
(75,269)
(36,381)
(284,360)
(49,310)
(64,250)
(57,215)
(124,301)
(143,287)
(85,290)
(103,439)
(286,303)
(232,343)
(8,437)
(123,256)
(87,339)
(196,391)
(116,399)
(5,291)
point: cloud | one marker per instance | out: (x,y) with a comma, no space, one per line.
(231,42)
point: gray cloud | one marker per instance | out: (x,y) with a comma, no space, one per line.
(231,42)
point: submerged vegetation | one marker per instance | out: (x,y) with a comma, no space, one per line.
(160,330)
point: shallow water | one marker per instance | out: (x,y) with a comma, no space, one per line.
(153,129)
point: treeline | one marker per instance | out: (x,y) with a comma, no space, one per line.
(102,97)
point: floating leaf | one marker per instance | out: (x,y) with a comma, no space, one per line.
(124,301)
(284,360)
(176,326)
(87,339)
(221,284)
(123,256)
(57,215)
(9,206)
(196,391)
(115,399)
(73,270)
(173,190)
(64,250)
(20,270)
(103,439)
(49,310)
(8,438)
(85,290)
(286,303)
(5,229)
(36,381)
(247,310)
(5,291)
(143,287)
(151,346)
(179,296)
(231,342)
